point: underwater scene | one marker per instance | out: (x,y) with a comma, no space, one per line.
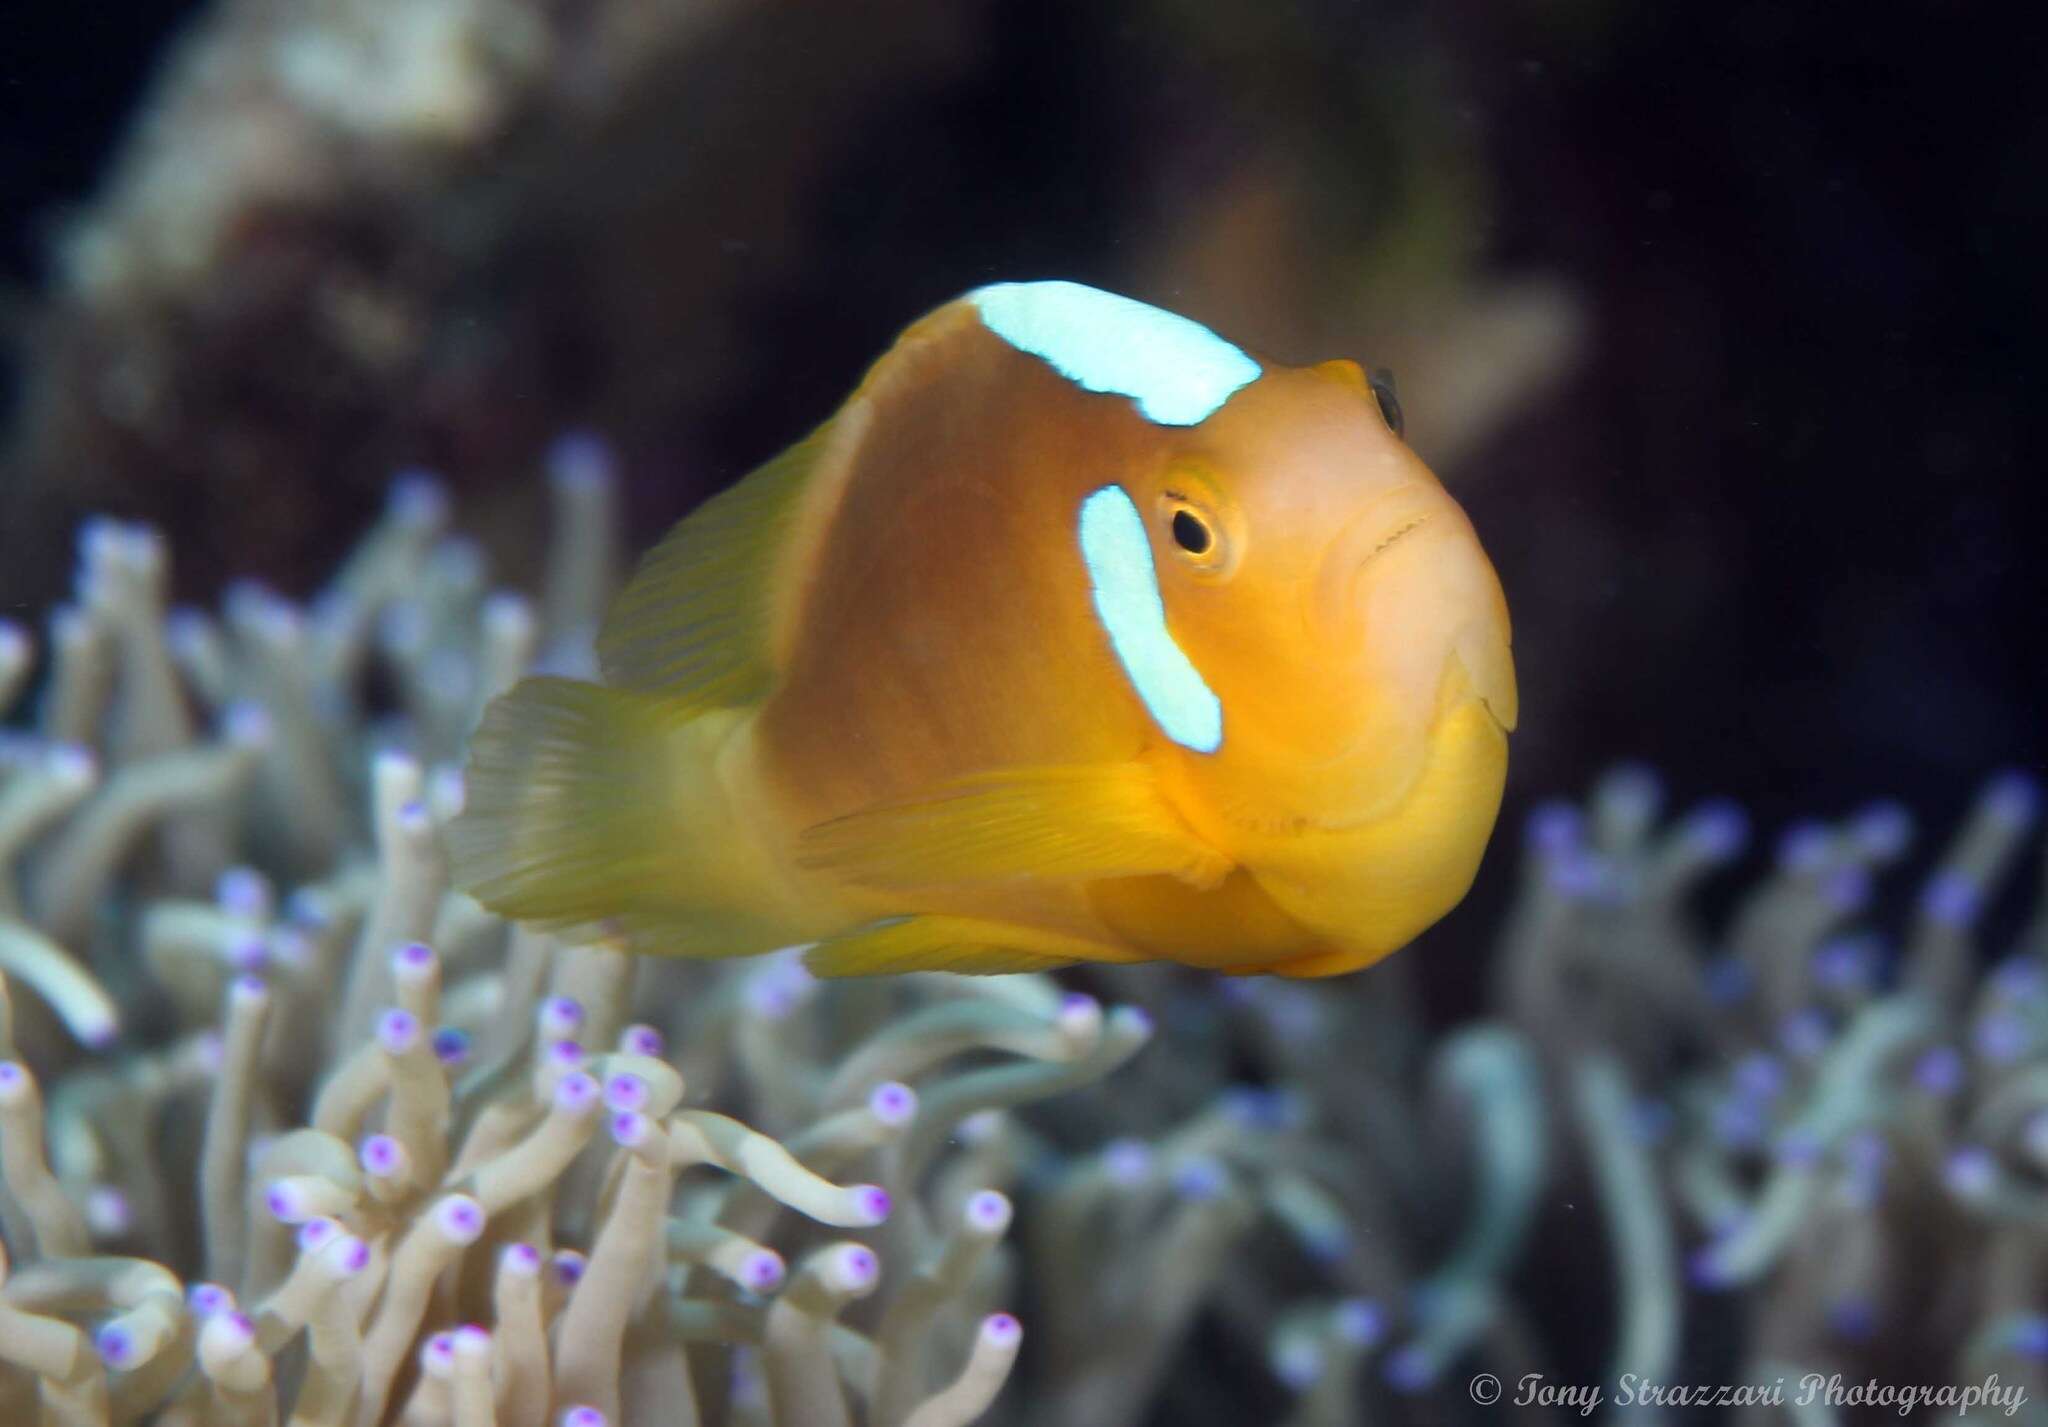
(1186,713)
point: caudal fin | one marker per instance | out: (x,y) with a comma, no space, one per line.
(568,815)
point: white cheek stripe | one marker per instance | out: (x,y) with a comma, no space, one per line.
(1127,601)
(1177,370)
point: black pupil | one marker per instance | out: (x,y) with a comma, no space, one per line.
(1390,403)
(1190,532)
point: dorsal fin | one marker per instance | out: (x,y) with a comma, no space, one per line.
(705,618)
(698,619)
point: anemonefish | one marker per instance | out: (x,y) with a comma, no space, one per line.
(1077,634)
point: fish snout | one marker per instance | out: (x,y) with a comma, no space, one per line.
(1426,609)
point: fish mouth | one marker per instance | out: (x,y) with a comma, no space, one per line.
(1485,673)
(1407,529)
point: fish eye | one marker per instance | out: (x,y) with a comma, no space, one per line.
(1191,532)
(1382,382)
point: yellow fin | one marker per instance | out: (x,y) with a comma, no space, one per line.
(1079,824)
(958,944)
(697,620)
(565,816)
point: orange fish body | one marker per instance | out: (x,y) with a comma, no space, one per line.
(1076,634)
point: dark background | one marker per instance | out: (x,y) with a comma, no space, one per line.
(1770,535)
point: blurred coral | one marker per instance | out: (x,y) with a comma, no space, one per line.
(321,1098)
(325,1098)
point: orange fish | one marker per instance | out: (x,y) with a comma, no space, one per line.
(1076,634)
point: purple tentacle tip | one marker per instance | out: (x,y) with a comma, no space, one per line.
(315,1232)
(1939,1071)
(460,1218)
(893,1103)
(72,765)
(1409,1370)
(631,1129)
(1359,1321)
(1718,829)
(349,1254)
(1554,829)
(2030,1335)
(1739,1123)
(97,1032)
(398,1031)
(578,1094)
(988,1211)
(1847,963)
(1798,1149)
(1200,1178)
(560,1017)
(1759,1076)
(1846,889)
(417,498)
(581,460)
(1705,1269)
(242,892)
(568,1266)
(642,1040)
(1577,874)
(116,1346)
(871,1203)
(1126,1161)
(248,954)
(207,1299)
(2018,978)
(860,1264)
(1805,1034)
(2013,797)
(1635,785)
(1803,849)
(583,1417)
(382,1155)
(1971,1172)
(1001,1330)
(625,1092)
(1882,831)
(413,959)
(763,1271)
(521,1259)
(1951,899)
(1078,1014)
(451,1045)
(1853,1319)
(108,1214)
(2001,1038)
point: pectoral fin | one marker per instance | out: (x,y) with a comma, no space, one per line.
(958,944)
(1061,823)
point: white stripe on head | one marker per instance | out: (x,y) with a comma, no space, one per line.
(1127,601)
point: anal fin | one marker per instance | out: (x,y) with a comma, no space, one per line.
(939,943)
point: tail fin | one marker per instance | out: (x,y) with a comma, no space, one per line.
(569,816)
